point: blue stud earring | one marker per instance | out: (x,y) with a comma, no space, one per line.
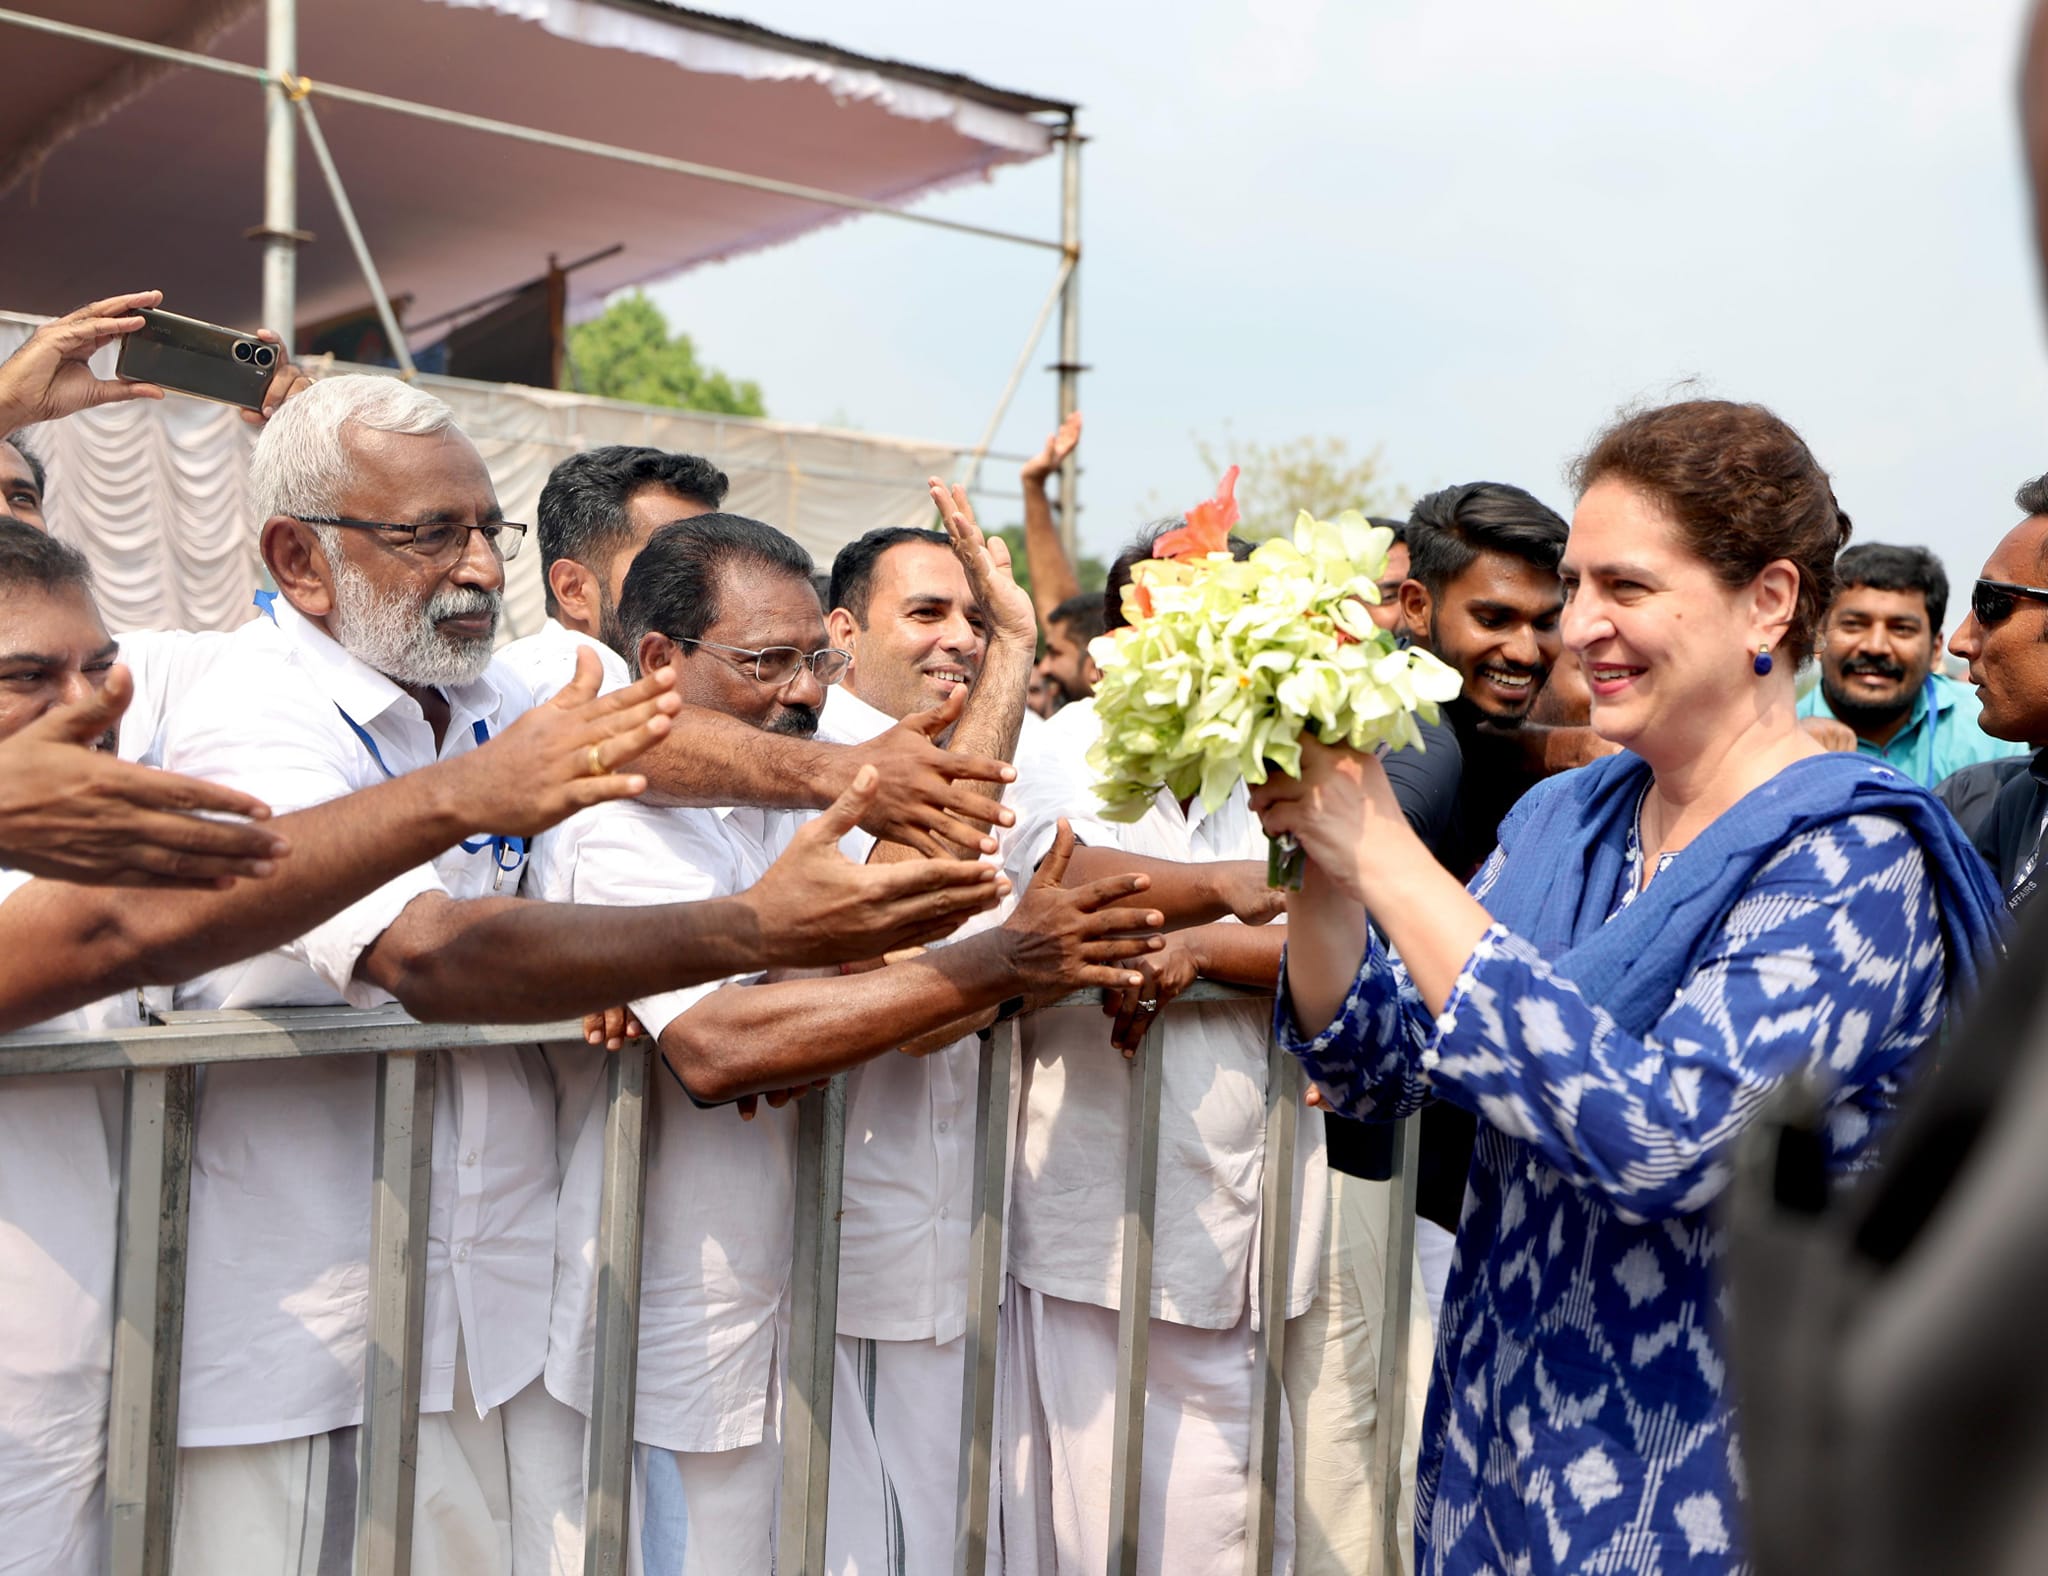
(1762,664)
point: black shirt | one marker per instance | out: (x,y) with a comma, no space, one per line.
(2009,836)
(1454,792)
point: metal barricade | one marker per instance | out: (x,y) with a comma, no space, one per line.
(159,1065)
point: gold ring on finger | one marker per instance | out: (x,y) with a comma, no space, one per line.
(597,766)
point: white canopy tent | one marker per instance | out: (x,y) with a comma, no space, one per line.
(469,142)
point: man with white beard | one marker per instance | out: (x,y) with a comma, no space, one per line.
(386,542)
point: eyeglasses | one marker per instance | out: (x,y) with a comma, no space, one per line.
(775,666)
(1993,601)
(438,542)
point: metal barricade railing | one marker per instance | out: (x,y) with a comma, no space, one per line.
(148,1305)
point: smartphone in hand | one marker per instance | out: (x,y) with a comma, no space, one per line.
(186,356)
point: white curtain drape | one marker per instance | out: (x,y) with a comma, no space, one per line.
(156,494)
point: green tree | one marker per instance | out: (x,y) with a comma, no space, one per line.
(627,352)
(1320,474)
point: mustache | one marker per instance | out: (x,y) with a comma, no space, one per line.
(460,601)
(1884,667)
(797,722)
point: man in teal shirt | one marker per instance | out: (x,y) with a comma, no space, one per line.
(1877,678)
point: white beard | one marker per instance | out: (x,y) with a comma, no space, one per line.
(403,643)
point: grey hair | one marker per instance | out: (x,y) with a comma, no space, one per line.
(302,465)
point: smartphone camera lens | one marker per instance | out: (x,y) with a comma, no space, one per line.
(243,350)
(265,356)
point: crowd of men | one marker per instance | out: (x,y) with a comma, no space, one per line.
(789,824)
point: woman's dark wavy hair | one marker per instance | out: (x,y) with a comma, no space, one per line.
(1743,490)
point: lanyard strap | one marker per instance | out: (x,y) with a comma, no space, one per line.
(507,853)
(1928,693)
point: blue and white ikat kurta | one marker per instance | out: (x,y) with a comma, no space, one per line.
(1579,1419)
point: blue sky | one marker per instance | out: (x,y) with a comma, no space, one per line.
(1465,233)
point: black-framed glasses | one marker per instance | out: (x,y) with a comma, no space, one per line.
(775,666)
(1993,601)
(440,541)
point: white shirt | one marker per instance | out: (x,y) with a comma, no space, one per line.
(276,1297)
(1067,1201)
(717,1243)
(164,663)
(60,1157)
(545,661)
(907,1207)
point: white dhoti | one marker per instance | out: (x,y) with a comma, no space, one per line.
(1333,1361)
(895,1488)
(288,1508)
(693,1512)
(1058,1412)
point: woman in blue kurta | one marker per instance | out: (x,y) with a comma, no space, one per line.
(1661,940)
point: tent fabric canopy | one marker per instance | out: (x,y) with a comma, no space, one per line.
(118,174)
(156,495)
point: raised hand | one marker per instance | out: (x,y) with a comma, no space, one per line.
(1065,938)
(47,377)
(565,756)
(815,906)
(71,810)
(922,798)
(1054,454)
(986,561)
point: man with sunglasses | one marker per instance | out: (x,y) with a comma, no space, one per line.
(385,540)
(726,604)
(2005,642)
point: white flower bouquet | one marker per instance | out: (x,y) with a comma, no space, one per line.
(1225,664)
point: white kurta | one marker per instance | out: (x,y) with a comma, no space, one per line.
(1066,1223)
(906,1215)
(277,1287)
(1066,1231)
(545,661)
(60,1155)
(720,1206)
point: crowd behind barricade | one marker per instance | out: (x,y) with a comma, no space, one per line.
(792,822)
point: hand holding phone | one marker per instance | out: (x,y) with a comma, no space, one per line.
(201,359)
(48,378)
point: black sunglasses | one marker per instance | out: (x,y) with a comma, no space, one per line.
(1993,601)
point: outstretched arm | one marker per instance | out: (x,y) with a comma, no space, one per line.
(70,811)
(751,1039)
(63,945)
(927,797)
(507,960)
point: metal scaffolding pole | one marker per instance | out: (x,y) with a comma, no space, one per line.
(280,233)
(1069,366)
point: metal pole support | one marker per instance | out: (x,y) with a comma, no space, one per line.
(1134,1302)
(1392,1425)
(814,1343)
(999,1051)
(622,1205)
(280,232)
(1276,1238)
(1070,330)
(149,1319)
(387,1450)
